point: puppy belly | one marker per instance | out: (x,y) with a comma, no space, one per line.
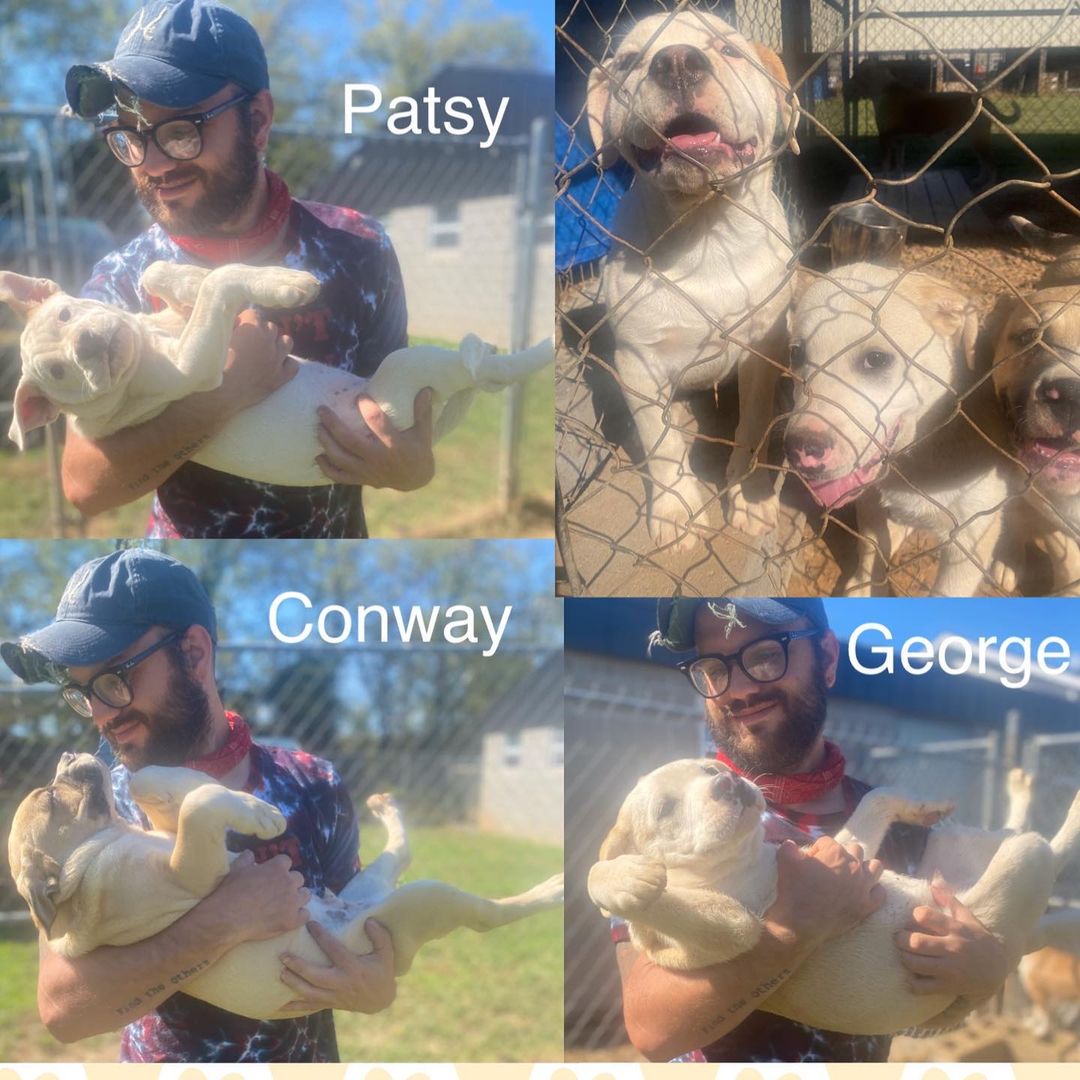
(275,442)
(856,983)
(247,979)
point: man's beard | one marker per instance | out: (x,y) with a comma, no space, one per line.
(176,730)
(782,748)
(225,192)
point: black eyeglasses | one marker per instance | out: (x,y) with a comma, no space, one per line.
(110,687)
(764,660)
(178,137)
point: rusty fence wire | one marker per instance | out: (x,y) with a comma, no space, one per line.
(850,370)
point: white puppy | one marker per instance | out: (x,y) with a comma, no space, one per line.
(888,412)
(687,864)
(110,369)
(696,285)
(91,879)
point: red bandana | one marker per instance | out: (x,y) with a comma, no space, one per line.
(235,749)
(264,241)
(797,788)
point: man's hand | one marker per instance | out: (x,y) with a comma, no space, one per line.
(823,891)
(270,895)
(258,363)
(351,982)
(949,951)
(380,457)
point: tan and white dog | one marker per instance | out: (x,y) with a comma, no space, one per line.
(885,414)
(1035,341)
(76,863)
(110,369)
(688,866)
(697,285)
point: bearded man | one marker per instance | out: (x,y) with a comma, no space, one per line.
(764,668)
(185,104)
(132,651)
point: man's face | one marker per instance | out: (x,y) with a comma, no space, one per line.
(169,714)
(768,727)
(203,195)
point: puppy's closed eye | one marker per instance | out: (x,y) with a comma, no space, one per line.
(666,808)
(64,315)
(56,371)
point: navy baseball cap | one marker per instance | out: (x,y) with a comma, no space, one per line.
(675,617)
(108,604)
(173,53)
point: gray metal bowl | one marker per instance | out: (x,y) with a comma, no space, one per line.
(866,233)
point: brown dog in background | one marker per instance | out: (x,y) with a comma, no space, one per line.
(903,111)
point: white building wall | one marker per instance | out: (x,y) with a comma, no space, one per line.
(521,784)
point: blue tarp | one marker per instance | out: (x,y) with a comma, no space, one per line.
(588,205)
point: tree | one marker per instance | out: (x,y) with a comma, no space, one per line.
(407,43)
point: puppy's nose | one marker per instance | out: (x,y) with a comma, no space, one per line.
(90,345)
(679,68)
(722,784)
(810,451)
(1062,396)
(66,758)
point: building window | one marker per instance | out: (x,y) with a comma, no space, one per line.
(558,744)
(511,750)
(446,226)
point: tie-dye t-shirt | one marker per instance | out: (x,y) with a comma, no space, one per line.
(323,840)
(358,318)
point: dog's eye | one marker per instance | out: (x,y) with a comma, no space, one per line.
(797,353)
(1027,337)
(625,61)
(65,314)
(732,51)
(56,372)
(667,808)
(876,361)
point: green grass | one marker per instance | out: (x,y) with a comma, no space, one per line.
(469,997)
(462,500)
(1053,114)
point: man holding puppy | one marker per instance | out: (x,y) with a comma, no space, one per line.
(132,647)
(764,668)
(185,104)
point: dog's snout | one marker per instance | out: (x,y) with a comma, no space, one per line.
(679,68)
(66,758)
(90,344)
(722,784)
(809,450)
(1062,397)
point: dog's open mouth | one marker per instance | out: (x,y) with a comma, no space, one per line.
(695,136)
(1051,457)
(837,492)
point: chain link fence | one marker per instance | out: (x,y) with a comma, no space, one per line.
(471,226)
(624,719)
(885,459)
(489,736)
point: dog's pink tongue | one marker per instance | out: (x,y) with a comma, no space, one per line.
(833,494)
(696,144)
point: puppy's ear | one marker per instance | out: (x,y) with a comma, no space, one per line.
(32,409)
(787,102)
(38,883)
(620,841)
(947,310)
(23,294)
(596,111)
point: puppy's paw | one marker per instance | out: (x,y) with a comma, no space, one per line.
(382,805)
(1018,783)
(671,518)
(259,818)
(930,813)
(637,883)
(1003,576)
(753,518)
(277,287)
(548,893)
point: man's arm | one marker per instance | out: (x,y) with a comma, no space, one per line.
(821,892)
(114,985)
(101,474)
